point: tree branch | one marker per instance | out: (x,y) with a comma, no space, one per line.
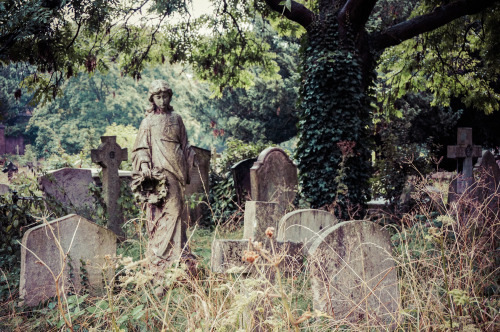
(355,14)
(440,16)
(299,13)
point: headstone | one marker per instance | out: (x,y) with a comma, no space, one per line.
(200,182)
(353,275)
(109,156)
(303,226)
(241,177)
(489,183)
(69,187)
(258,217)
(81,241)
(4,189)
(274,178)
(464,151)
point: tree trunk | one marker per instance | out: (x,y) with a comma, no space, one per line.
(333,149)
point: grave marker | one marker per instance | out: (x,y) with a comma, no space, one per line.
(274,178)
(200,182)
(4,189)
(464,151)
(353,275)
(241,177)
(303,226)
(109,156)
(69,187)
(82,239)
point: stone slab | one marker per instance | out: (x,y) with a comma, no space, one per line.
(84,240)
(274,178)
(241,177)
(200,182)
(69,187)
(258,217)
(4,189)
(304,225)
(353,275)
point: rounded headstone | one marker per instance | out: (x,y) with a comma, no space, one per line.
(353,275)
(304,225)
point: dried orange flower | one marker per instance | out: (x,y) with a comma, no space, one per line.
(270,232)
(249,256)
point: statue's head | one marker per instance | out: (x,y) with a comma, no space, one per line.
(158,86)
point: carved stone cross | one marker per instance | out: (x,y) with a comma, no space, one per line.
(109,156)
(464,151)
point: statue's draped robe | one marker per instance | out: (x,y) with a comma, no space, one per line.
(162,144)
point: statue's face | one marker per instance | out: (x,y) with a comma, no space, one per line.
(162,100)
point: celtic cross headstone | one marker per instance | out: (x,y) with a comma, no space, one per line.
(109,156)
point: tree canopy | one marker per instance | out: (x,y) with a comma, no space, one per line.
(352,51)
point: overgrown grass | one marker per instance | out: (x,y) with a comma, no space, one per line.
(448,269)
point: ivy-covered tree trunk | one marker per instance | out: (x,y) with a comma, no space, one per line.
(333,151)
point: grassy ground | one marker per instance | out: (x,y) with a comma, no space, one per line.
(447,259)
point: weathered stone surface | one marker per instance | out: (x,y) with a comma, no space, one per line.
(241,176)
(109,156)
(200,182)
(274,178)
(464,151)
(258,217)
(70,187)
(353,275)
(489,182)
(304,225)
(228,254)
(84,240)
(4,189)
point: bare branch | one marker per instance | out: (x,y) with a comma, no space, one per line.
(440,16)
(299,13)
(355,14)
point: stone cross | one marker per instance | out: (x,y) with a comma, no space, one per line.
(109,155)
(464,151)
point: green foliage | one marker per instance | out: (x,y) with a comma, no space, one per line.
(93,105)
(455,60)
(16,215)
(335,110)
(266,110)
(408,142)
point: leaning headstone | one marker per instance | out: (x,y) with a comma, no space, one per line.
(353,276)
(241,177)
(489,184)
(109,156)
(200,182)
(4,189)
(303,226)
(70,188)
(80,241)
(463,152)
(274,178)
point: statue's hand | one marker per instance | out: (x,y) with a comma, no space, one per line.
(145,170)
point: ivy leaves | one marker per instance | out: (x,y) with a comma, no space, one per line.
(335,109)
